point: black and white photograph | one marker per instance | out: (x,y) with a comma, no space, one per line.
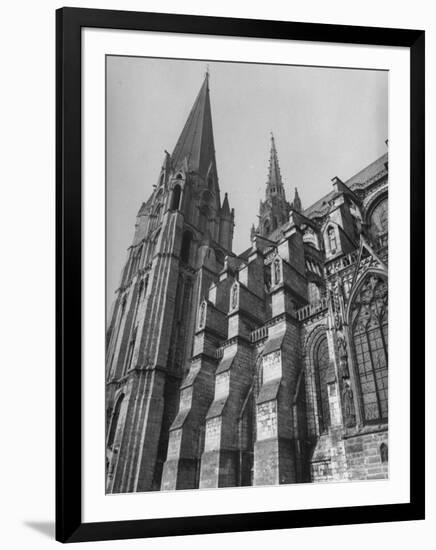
(217,308)
(246,274)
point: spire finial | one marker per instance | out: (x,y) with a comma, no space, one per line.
(207,73)
(296,203)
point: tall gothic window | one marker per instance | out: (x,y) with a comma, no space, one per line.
(175,199)
(331,235)
(370,337)
(130,351)
(132,341)
(116,334)
(321,364)
(114,421)
(186,246)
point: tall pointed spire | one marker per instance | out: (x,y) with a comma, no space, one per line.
(196,144)
(274,183)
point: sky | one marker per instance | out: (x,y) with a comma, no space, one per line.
(326,122)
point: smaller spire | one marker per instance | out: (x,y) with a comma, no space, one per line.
(252,232)
(225,208)
(296,203)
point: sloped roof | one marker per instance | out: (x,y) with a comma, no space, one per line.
(361,177)
(368,172)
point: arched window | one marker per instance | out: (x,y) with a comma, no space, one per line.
(321,364)
(331,235)
(210,181)
(266,227)
(369,322)
(175,199)
(114,421)
(186,246)
(379,219)
(384,452)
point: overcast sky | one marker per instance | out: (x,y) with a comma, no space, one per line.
(326,122)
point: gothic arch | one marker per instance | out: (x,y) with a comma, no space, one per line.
(373,198)
(376,214)
(358,284)
(317,359)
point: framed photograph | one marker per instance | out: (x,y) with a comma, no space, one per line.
(240,274)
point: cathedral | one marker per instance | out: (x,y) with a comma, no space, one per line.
(262,368)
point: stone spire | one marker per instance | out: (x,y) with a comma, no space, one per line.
(195,146)
(274,185)
(274,210)
(296,203)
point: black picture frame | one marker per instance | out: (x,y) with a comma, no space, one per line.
(69,23)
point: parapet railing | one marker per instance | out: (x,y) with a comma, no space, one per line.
(219,353)
(258,334)
(311,309)
(342,262)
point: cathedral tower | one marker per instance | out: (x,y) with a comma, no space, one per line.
(182,235)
